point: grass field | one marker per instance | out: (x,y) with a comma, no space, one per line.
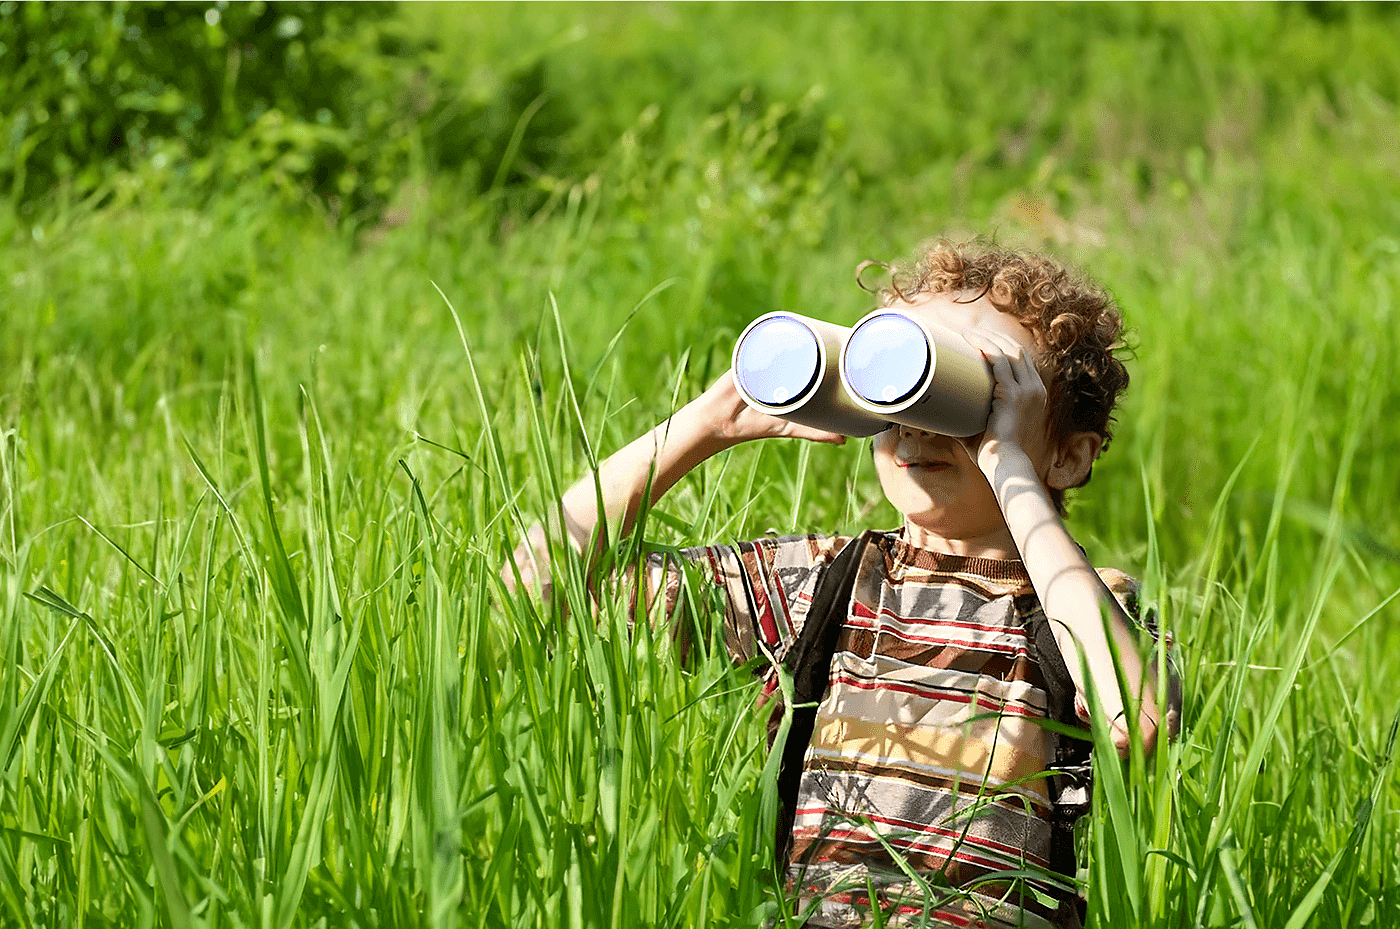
(257,482)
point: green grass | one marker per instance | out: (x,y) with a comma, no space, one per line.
(259,667)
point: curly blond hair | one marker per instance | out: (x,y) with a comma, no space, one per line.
(1076,324)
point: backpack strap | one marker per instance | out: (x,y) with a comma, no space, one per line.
(808,660)
(1071,773)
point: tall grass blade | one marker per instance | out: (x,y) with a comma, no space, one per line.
(167,875)
(1364,810)
(17,718)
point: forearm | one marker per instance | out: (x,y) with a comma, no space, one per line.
(662,456)
(716,420)
(1075,600)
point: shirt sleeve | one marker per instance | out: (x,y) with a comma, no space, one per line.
(764,587)
(1127,591)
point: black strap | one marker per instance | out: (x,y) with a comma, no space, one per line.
(1071,779)
(808,660)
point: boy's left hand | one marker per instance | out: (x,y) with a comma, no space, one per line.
(1017,420)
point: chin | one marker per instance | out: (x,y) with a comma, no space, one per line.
(940,517)
(960,512)
(936,520)
(931,499)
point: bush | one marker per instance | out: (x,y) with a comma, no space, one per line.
(323,99)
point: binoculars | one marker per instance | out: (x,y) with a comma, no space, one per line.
(893,366)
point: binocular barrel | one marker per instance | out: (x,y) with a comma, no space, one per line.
(788,365)
(891,367)
(910,370)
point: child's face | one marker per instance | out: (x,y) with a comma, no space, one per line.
(931,479)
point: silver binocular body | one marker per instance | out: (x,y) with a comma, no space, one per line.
(893,366)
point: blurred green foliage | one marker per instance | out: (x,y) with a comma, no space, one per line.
(339,104)
(323,99)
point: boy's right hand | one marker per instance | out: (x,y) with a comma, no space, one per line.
(716,420)
(733,421)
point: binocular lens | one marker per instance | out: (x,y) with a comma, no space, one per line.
(778,361)
(886,359)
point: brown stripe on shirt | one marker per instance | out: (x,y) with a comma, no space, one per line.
(929,735)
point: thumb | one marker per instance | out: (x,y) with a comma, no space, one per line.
(797,431)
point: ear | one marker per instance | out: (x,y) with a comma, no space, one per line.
(1074,459)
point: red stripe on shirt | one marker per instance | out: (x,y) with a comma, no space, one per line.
(936,693)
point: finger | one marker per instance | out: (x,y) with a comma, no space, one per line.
(814,435)
(1022,362)
(1014,351)
(994,353)
(978,339)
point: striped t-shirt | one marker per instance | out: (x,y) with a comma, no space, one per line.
(926,767)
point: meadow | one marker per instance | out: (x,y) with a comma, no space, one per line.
(265,454)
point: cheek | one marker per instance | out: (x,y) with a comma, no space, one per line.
(882,451)
(900,490)
(884,442)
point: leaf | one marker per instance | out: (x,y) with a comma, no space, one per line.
(167,876)
(18,720)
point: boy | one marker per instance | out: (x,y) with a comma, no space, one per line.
(927,740)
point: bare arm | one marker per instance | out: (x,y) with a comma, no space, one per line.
(715,421)
(1075,599)
(1071,592)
